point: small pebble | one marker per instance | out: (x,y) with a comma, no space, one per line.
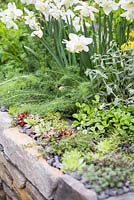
(56,158)
(131,188)
(51,161)
(34,136)
(57,165)
(107,193)
(102,196)
(126,189)
(47,157)
(28,131)
(127,183)
(88,186)
(68,173)
(21,130)
(112,192)
(25,129)
(76,175)
(120,191)
(83,181)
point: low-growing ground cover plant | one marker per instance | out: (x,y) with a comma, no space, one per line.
(96,149)
(105,119)
(49,92)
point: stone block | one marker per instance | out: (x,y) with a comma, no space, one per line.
(33,192)
(2,194)
(0,183)
(8,198)
(23,152)
(5,176)
(5,120)
(8,191)
(71,189)
(2,159)
(16,175)
(22,193)
(127,196)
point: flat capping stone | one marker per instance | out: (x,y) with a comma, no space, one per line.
(71,189)
(5,120)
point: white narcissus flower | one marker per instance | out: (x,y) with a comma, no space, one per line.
(29,13)
(12,11)
(108,6)
(40,5)
(98,1)
(129,15)
(128,6)
(28,2)
(77,43)
(38,33)
(78,24)
(30,19)
(67,16)
(86,10)
(8,21)
(46,10)
(31,22)
(68,3)
(23,1)
(55,13)
(11,24)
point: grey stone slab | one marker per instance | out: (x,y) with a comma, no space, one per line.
(23,152)
(33,192)
(127,196)
(0,183)
(16,175)
(5,176)
(71,189)
(5,120)
(8,191)
(2,194)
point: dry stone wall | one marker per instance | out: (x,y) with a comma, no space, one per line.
(14,185)
(25,175)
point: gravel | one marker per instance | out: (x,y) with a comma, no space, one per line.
(76,175)
(3,109)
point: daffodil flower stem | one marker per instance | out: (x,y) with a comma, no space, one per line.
(51,52)
(100,32)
